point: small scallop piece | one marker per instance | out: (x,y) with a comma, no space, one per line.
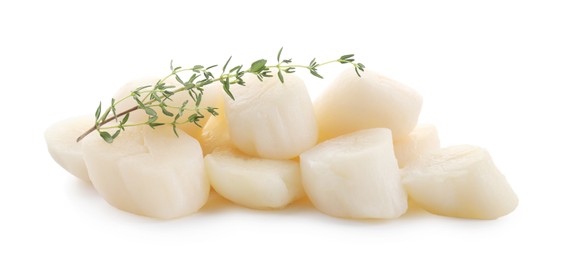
(148,172)
(460,181)
(353,103)
(423,139)
(355,176)
(254,182)
(62,146)
(271,119)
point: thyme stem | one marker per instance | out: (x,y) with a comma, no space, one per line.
(94,127)
(155,96)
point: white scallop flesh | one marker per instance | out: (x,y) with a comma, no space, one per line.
(62,146)
(254,182)
(270,119)
(148,172)
(460,181)
(353,103)
(423,139)
(355,176)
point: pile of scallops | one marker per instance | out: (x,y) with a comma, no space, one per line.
(356,152)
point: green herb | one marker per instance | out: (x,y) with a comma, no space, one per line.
(152,98)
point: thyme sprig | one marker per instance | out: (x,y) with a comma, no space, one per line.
(152,99)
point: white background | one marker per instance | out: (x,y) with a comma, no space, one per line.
(493,73)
